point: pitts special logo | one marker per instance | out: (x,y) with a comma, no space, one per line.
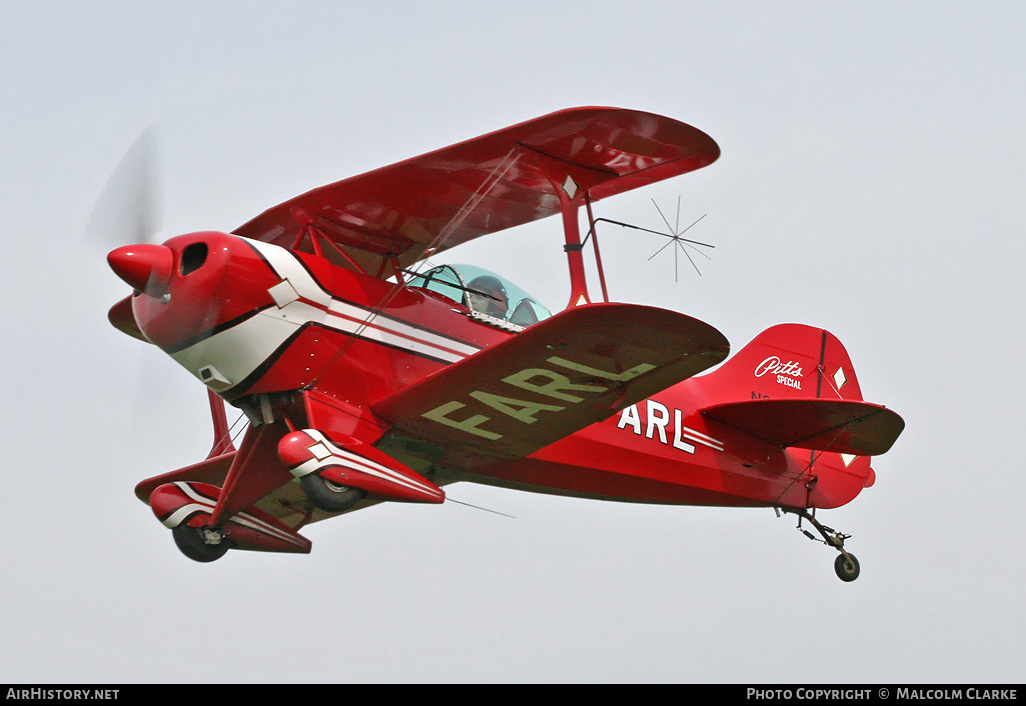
(787,373)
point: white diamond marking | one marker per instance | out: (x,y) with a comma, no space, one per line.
(570,186)
(320,451)
(283,293)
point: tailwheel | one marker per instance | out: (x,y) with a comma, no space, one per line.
(203,544)
(846,566)
(329,496)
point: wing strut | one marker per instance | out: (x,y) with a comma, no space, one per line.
(571,183)
(594,244)
(574,248)
(222,434)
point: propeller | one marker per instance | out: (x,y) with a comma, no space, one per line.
(126,220)
(128,209)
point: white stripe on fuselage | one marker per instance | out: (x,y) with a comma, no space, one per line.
(355,319)
(238,351)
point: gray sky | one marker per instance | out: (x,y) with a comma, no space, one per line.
(871,182)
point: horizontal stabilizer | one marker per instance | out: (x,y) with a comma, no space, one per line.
(840,426)
(553,379)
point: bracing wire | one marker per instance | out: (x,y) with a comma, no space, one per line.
(493,178)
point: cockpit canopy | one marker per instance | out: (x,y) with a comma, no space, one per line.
(483,292)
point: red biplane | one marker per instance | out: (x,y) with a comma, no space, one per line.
(365,381)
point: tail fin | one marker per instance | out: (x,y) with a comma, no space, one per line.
(794,385)
(785,362)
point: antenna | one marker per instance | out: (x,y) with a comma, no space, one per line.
(678,242)
(674,234)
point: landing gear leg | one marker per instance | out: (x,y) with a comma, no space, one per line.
(846,566)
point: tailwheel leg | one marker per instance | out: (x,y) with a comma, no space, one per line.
(846,566)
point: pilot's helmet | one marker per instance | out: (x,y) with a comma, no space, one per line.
(487,295)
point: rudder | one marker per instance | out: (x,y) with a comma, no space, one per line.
(794,386)
(788,361)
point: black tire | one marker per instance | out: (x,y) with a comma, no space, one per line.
(328,496)
(191,543)
(844,570)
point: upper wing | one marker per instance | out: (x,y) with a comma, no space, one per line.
(554,378)
(416,208)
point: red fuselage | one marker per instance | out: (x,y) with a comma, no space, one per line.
(290,336)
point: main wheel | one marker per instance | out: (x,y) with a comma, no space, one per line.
(197,543)
(846,568)
(328,496)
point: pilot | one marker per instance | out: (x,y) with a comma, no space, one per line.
(487,295)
